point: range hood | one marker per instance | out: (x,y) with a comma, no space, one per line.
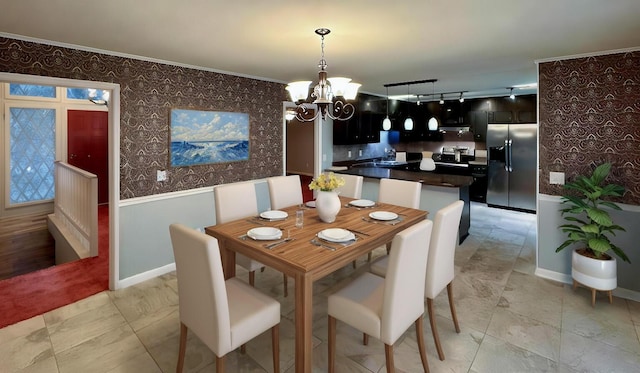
(456,129)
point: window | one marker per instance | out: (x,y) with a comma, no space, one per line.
(32,152)
(86,93)
(31,90)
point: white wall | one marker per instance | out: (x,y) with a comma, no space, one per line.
(145,245)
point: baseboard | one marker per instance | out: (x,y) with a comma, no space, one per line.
(565,278)
(141,277)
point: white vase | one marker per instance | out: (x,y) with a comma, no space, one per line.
(328,206)
(594,273)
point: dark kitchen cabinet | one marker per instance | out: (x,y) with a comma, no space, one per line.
(362,128)
(477,121)
(500,117)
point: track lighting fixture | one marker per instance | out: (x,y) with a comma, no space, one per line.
(511,95)
(461,99)
(441,99)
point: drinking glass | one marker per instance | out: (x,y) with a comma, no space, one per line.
(299,218)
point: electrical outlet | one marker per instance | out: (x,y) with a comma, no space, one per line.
(161,175)
(556,178)
(360,153)
(349,154)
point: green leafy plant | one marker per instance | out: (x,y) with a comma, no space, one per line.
(593,232)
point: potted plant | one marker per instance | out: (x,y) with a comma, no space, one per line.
(590,226)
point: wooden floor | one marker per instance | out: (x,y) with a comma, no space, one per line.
(25,245)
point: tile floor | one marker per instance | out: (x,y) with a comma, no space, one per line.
(511,321)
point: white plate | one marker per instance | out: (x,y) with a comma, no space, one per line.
(311,204)
(274,215)
(265,233)
(336,235)
(362,203)
(383,215)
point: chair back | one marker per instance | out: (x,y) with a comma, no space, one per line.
(352,187)
(400,192)
(202,294)
(403,295)
(284,191)
(235,201)
(440,266)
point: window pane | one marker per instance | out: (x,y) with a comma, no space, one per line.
(32,150)
(32,90)
(84,93)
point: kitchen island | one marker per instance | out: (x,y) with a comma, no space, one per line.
(438,189)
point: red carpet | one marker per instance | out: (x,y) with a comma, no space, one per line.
(28,295)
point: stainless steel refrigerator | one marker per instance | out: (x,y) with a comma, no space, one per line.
(512,158)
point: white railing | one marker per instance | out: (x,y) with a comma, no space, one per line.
(76,208)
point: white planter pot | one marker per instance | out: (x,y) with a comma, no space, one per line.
(594,273)
(328,206)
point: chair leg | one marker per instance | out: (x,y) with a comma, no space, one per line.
(388,247)
(420,336)
(452,306)
(353,264)
(388,354)
(243,348)
(369,256)
(434,329)
(593,297)
(182,348)
(219,364)
(610,297)
(365,339)
(252,278)
(275,345)
(332,344)
(285,281)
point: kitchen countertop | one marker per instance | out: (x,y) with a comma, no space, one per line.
(424,177)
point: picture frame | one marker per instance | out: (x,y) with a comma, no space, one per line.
(200,137)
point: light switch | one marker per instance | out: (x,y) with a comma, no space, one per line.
(349,154)
(161,175)
(556,178)
(360,153)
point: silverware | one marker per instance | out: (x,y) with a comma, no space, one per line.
(318,243)
(243,237)
(360,233)
(274,244)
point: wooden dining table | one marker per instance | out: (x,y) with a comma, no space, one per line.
(300,259)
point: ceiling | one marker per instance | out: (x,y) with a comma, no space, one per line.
(481,47)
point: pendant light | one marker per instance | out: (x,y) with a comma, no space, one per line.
(432,124)
(386,123)
(408,123)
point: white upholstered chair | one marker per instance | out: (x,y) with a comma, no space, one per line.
(352,187)
(440,266)
(223,314)
(386,307)
(284,191)
(399,192)
(236,201)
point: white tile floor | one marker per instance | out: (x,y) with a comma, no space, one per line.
(511,321)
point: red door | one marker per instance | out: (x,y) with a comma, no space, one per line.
(87,146)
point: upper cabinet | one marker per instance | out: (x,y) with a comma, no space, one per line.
(364,127)
(477,122)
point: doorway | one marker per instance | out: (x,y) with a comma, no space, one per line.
(300,151)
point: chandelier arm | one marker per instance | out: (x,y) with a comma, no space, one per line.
(342,110)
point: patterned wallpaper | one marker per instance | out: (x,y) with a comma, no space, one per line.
(590,114)
(148,91)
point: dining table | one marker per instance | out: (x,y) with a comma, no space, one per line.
(300,254)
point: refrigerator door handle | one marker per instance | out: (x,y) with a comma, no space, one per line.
(506,155)
(509,152)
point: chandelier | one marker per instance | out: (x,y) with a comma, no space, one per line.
(328,91)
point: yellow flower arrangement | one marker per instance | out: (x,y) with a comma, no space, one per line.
(326,182)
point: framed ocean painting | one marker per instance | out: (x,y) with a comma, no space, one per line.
(203,137)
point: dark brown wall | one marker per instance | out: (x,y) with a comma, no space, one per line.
(148,91)
(590,114)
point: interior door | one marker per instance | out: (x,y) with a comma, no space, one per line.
(87,148)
